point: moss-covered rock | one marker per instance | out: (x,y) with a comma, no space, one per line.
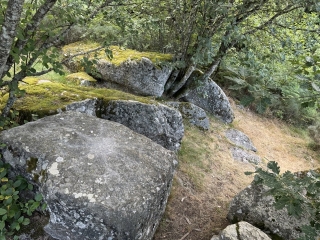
(48,97)
(120,54)
(82,78)
(137,72)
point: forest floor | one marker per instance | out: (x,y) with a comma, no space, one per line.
(208,177)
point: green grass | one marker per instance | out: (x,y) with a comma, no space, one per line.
(194,154)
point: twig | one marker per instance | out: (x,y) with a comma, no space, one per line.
(186,235)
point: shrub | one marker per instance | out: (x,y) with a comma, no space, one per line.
(14,209)
(297,192)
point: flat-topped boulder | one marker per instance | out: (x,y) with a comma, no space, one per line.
(138,77)
(158,122)
(100,179)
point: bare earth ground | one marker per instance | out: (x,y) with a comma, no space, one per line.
(208,178)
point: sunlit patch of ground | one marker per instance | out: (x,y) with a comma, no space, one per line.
(208,178)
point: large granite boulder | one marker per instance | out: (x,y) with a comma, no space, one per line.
(137,77)
(209,96)
(158,122)
(194,114)
(253,205)
(100,179)
(155,121)
(241,230)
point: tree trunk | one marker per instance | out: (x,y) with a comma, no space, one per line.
(8,31)
(212,69)
(182,82)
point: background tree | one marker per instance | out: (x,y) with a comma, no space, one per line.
(32,32)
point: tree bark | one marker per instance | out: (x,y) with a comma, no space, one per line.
(214,66)
(182,82)
(13,87)
(8,31)
(31,28)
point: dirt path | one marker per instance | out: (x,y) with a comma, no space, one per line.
(208,178)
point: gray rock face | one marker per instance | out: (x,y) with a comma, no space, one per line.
(100,179)
(211,98)
(254,206)
(138,77)
(243,231)
(196,115)
(160,123)
(87,106)
(240,139)
(244,156)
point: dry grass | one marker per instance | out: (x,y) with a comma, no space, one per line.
(208,178)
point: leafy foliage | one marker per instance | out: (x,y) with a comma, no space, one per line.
(298,192)
(14,210)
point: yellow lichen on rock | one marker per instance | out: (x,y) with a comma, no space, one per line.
(120,54)
(80,76)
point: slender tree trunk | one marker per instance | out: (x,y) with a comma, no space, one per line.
(213,67)
(13,87)
(182,82)
(8,31)
(30,29)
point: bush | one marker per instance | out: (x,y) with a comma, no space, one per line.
(14,209)
(297,192)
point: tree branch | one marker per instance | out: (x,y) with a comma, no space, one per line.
(270,20)
(298,29)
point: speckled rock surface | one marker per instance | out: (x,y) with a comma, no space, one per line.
(209,96)
(87,106)
(241,231)
(196,115)
(240,139)
(158,122)
(138,77)
(244,156)
(100,179)
(254,206)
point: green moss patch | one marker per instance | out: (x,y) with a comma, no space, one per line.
(45,98)
(119,54)
(79,76)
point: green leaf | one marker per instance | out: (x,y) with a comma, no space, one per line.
(34,206)
(2,225)
(273,166)
(44,206)
(247,100)
(3,211)
(26,221)
(20,220)
(263,104)
(248,173)
(38,197)
(17,183)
